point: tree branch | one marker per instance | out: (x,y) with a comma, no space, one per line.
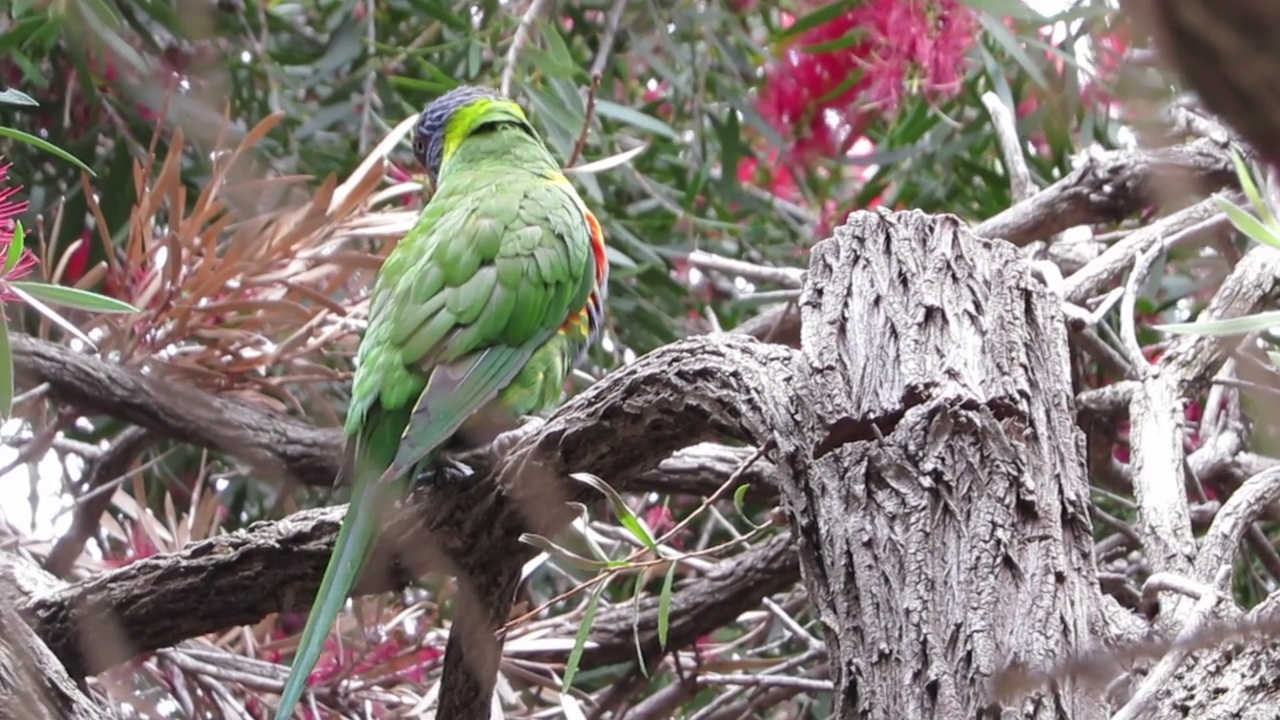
(618,429)
(1112,185)
(272,445)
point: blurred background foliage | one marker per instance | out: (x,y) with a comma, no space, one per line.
(224,134)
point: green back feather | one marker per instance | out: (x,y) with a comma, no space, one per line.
(464,312)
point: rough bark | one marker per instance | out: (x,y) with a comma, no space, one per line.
(33,683)
(940,501)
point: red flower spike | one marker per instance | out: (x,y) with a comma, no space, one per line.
(906,47)
(9,212)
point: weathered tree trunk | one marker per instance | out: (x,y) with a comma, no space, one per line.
(942,507)
(33,683)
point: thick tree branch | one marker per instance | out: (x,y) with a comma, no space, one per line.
(619,429)
(1112,185)
(273,445)
(698,606)
(33,684)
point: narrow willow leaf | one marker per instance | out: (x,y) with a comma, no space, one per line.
(46,146)
(15,248)
(580,642)
(635,623)
(1251,188)
(1228,326)
(74,297)
(12,96)
(664,604)
(1247,223)
(609,163)
(635,118)
(50,313)
(620,508)
(554,550)
(738,496)
(820,16)
(1010,44)
(6,371)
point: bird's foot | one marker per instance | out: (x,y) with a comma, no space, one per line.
(445,471)
(505,442)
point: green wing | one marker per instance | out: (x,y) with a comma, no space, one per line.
(488,274)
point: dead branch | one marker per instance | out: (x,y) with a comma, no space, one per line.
(1112,185)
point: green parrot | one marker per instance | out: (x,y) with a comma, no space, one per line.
(476,319)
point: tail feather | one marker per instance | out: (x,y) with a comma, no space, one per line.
(350,552)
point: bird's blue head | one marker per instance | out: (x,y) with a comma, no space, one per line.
(454,116)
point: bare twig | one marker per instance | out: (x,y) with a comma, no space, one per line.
(744,680)
(597,73)
(519,40)
(589,113)
(784,276)
(113,463)
(1006,127)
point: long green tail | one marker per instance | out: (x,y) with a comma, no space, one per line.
(350,551)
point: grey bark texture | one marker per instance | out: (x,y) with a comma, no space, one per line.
(33,683)
(938,490)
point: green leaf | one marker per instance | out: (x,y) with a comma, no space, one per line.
(74,297)
(620,508)
(738,496)
(14,252)
(50,313)
(664,604)
(442,12)
(821,16)
(6,371)
(580,642)
(17,97)
(46,146)
(608,163)
(554,550)
(557,49)
(1228,326)
(1013,47)
(635,118)
(1247,223)
(1251,190)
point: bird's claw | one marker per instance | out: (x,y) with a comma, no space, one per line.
(505,442)
(445,471)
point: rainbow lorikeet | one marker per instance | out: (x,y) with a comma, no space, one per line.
(476,319)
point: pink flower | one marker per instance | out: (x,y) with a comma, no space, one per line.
(868,58)
(9,212)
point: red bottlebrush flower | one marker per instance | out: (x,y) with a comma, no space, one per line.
(9,211)
(773,176)
(903,46)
